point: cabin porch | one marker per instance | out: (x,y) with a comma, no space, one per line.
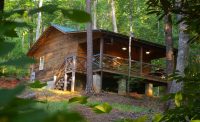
(72,73)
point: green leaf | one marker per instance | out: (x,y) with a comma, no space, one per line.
(195,121)
(81,100)
(21,61)
(7,95)
(102,108)
(157,117)
(76,15)
(5,47)
(10,26)
(37,84)
(178,99)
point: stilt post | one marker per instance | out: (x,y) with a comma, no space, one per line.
(73,74)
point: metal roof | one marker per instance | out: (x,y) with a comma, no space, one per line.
(63,28)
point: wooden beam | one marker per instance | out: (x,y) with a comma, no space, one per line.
(141,59)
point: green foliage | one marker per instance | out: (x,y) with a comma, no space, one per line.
(189,8)
(81,100)
(102,108)
(6,47)
(14,109)
(37,84)
(20,61)
(187,101)
(76,15)
(8,95)
(97,107)
(157,118)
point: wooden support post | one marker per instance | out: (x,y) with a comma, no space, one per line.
(73,74)
(101,53)
(141,59)
(54,80)
(149,89)
(101,61)
(97,82)
(65,82)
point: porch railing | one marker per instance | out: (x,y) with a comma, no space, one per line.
(118,64)
(114,64)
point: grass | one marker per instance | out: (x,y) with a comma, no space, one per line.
(121,107)
(128,108)
(52,107)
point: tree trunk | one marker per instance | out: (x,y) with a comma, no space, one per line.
(89,84)
(95,15)
(1,6)
(183,48)
(169,52)
(39,21)
(169,44)
(114,16)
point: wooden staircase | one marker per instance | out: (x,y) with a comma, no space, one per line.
(60,84)
(61,76)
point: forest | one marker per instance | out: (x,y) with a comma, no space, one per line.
(173,24)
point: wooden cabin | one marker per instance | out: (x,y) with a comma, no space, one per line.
(61,57)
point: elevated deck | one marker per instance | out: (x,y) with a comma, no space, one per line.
(114,65)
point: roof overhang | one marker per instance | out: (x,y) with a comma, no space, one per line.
(104,32)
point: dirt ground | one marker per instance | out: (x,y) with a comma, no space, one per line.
(153,105)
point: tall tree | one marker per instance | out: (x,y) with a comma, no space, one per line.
(169,51)
(114,21)
(183,48)
(89,84)
(169,44)
(39,21)
(95,14)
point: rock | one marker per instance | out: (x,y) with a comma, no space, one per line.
(31,95)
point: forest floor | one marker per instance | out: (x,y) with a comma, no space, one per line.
(123,106)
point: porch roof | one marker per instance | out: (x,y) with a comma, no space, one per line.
(106,33)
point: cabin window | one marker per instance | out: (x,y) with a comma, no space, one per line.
(41,66)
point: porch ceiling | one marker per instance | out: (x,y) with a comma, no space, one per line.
(119,47)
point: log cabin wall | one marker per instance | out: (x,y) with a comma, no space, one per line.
(55,48)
